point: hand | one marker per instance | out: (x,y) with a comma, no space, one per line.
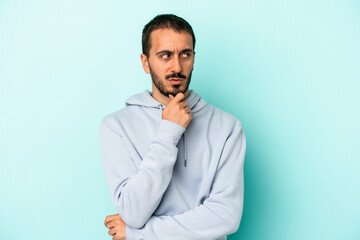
(117,227)
(177,110)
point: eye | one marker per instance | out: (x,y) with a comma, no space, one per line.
(186,55)
(165,56)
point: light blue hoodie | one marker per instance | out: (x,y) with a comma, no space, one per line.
(168,182)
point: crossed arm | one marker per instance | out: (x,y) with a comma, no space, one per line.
(219,215)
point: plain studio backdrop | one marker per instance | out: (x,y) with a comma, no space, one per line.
(288,70)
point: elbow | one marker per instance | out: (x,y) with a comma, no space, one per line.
(134,222)
(233,226)
(134,219)
(131,211)
(234,222)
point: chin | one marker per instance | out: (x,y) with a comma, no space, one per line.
(173,91)
(179,88)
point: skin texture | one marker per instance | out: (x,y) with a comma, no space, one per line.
(170,63)
(116,226)
(177,111)
(171,53)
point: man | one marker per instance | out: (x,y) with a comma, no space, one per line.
(173,163)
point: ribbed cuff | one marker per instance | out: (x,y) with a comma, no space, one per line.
(170,132)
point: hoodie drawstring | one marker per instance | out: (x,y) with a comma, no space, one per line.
(161,107)
(185,150)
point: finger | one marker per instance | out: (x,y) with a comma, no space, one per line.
(112,232)
(179,97)
(187,109)
(118,237)
(110,218)
(111,224)
(171,97)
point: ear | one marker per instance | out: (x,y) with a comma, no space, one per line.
(145,63)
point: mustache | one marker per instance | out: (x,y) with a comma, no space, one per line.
(175,75)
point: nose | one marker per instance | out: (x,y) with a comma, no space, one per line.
(176,65)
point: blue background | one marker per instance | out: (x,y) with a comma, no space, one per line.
(289,70)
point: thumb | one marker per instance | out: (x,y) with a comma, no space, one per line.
(171,97)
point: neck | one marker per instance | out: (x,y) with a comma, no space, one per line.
(158,96)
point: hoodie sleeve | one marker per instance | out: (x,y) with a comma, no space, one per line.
(220,213)
(137,192)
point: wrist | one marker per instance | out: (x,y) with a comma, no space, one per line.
(170,132)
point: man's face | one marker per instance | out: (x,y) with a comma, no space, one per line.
(170,61)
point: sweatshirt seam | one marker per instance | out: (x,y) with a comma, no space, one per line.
(109,125)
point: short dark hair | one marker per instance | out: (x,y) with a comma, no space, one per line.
(169,21)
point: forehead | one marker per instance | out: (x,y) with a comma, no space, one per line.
(168,39)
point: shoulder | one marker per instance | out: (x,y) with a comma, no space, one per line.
(114,119)
(137,106)
(223,118)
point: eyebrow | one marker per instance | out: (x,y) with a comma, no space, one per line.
(186,50)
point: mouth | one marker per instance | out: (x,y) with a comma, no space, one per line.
(176,80)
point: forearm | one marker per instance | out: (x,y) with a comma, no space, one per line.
(219,215)
(209,221)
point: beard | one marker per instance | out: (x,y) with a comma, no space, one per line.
(175,89)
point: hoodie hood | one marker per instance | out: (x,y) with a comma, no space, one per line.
(195,102)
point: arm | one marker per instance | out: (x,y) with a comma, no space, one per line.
(136,193)
(220,213)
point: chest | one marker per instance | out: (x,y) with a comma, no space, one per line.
(199,151)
